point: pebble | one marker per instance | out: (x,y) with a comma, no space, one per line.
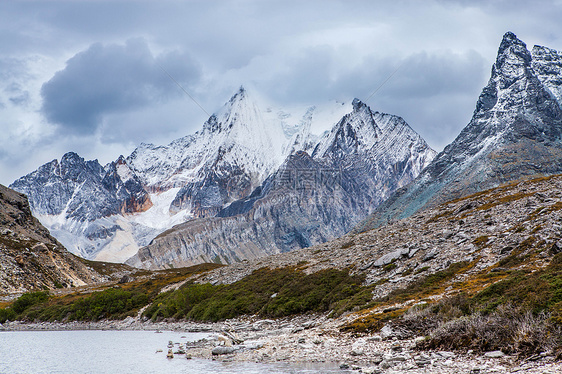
(494,354)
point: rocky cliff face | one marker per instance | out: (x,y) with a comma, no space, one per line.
(309,200)
(30,258)
(516,131)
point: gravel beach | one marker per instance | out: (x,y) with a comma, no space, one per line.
(317,339)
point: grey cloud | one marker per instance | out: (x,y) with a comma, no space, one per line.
(10,67)
(17,95)
(435,92)
(429,74)
(112,78)
(316,74)
(21,99)
(303,76)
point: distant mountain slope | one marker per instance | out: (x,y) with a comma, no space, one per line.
(108,213)
(515,131)
(30,258)
(309,200)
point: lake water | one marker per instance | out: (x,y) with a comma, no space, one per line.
(119,352)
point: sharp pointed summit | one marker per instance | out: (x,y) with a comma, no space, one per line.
(515,132)
(354,133)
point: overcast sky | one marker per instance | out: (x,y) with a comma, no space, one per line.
(85,76)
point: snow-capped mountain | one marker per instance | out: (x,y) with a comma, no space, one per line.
(515,132)
(310,199)
(73,198)
(108,213)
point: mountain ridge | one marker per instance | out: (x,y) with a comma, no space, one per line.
(238,148)
(515,131)
(309,200)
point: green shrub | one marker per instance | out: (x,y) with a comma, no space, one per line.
(7,314)
(28,299)
(389,267)
(22,304)
(265,292)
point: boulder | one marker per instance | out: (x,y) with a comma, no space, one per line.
(430,255)
(222,350)
(371,370)
(387,332)
(389,257)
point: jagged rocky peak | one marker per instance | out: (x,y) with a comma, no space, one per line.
(515,131)
(52,185)
(244,119)
(241,110)
(547,64)
(83,190)
(232,110)
(516,104)
(236,151)
(355,132)
(379,136)
(512,51)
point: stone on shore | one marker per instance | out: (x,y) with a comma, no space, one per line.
(222,350)
(494,354)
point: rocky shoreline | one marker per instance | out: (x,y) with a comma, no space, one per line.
(315,339)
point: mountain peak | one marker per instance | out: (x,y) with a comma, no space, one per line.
(514,132)
(240,95)
(71,157)
(510,37)
(510,40)
(355,132)
(358,105)
(512,51)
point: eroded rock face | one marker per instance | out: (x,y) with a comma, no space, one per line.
(310,199)
(30,258)
(515,131)
(120,180)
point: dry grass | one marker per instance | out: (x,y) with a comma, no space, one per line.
(509,329)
